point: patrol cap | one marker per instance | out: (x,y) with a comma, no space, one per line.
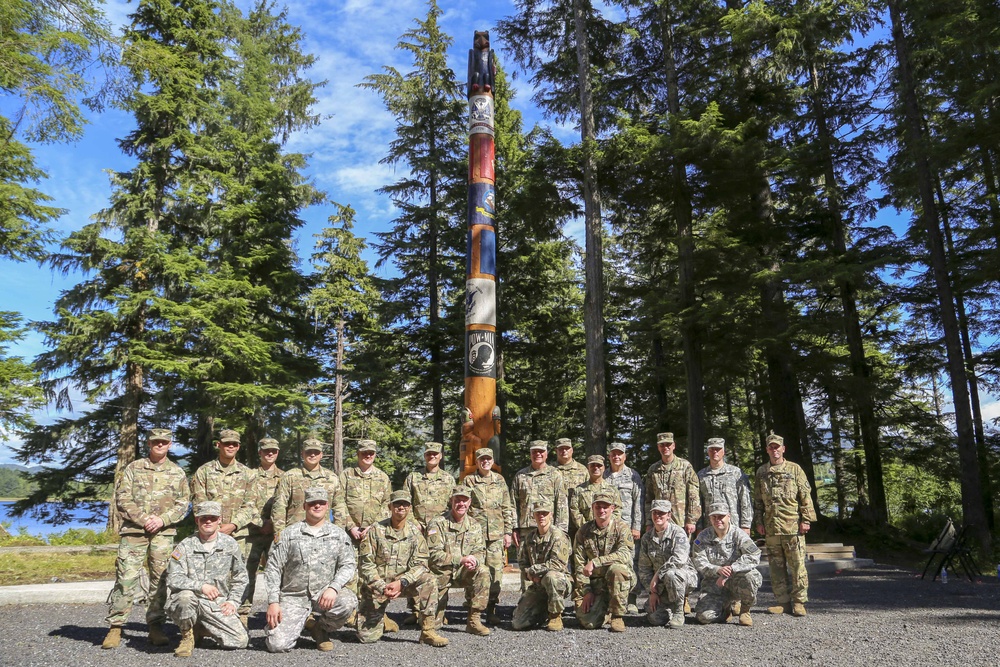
(229,435)
(484,451)
(312,445)
(662,506)
(367,446)
(539,444)
(595,458)
(775,438)
(666,437)
(718,508)
(207,508)
(161,434)
(606,497)
(316,494)
(541,506)
(267,443)
(616,447)
(432,447)
(400,496)
(459,490)
(563,442)
(716,443)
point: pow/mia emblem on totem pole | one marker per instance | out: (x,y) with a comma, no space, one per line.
(480,354)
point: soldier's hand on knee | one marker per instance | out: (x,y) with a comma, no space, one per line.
(210,591)
(273,615)
(327,599)
(654,599)
(587,602)
(228,608)
(393,589)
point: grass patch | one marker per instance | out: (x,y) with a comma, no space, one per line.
(40,568)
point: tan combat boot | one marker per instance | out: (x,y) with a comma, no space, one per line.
(474,626)
(322,638)
(617,624)
(114,637)
(156,636)
(677,616)
(745,618)
(798,609)
(186,646)
(429,634)
(389,626)
(687,605)
(555,623)
(785,608)
(737,608)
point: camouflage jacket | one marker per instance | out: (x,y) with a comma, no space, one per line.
(677,482)
(219,562)
(366,496)
(540,554)
(306,561)
(605,546)
(490,504)
(152,489)
(531,485)
(781,498)
(581,500)
(234,487)
(729,486)
(659,554)
(449,541)
(735,549)
(290,493)
(429,493)
(629,486)
(387,554)
(573,473)
(267,482)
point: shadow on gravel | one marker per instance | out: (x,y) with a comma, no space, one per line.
(133,636)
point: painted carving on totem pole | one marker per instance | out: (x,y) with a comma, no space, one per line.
(481,68)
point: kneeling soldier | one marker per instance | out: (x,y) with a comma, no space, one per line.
(394,564)
(665,567)
(206,576)
(727,560)
(544,556)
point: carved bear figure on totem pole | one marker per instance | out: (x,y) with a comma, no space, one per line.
(481,68)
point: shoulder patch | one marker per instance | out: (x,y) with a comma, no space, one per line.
(176,555)
(432,531)
(697,542)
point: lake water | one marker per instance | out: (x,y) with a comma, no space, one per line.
(44,527)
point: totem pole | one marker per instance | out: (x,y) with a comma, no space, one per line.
(481,418)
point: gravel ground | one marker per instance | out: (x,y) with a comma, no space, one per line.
(873,616)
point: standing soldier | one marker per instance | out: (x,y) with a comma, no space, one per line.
(262,530)
(629,485)
(665,568)
(152,497)
(458,556)
(538,481)
(289,495)
(602,567)
(673,478)
(544,558)
(307,572)
(783,505)
(492,509)
(723,483)
(727,560)
(573,472)
(205,580)
(431,487)
(393,564)
(366,492)
(581,497)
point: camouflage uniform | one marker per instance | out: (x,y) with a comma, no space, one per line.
(366,495)
(573,473)
(430,492)
(193,564)
(666,556)
(782,500)
(492,509)
(289,495)
(629,485)
(581,501)
(448,542)
(389,555)
(305,562)
(235,488)
(530,486)
(546,556)
(677,482)
(729,486)
(146,489)
(611,548)
(737,550)
(267,482)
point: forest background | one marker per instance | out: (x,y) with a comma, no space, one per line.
(716,218)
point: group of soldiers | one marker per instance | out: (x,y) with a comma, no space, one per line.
(594,534)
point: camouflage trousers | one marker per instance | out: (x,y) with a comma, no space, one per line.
(786,559)
(186,609)
(495,562)
(611,593)
(136,552)
(423,593)
(542,600)
(476,583)
(294,615)
(716,602)
(672,587)
(259,548)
